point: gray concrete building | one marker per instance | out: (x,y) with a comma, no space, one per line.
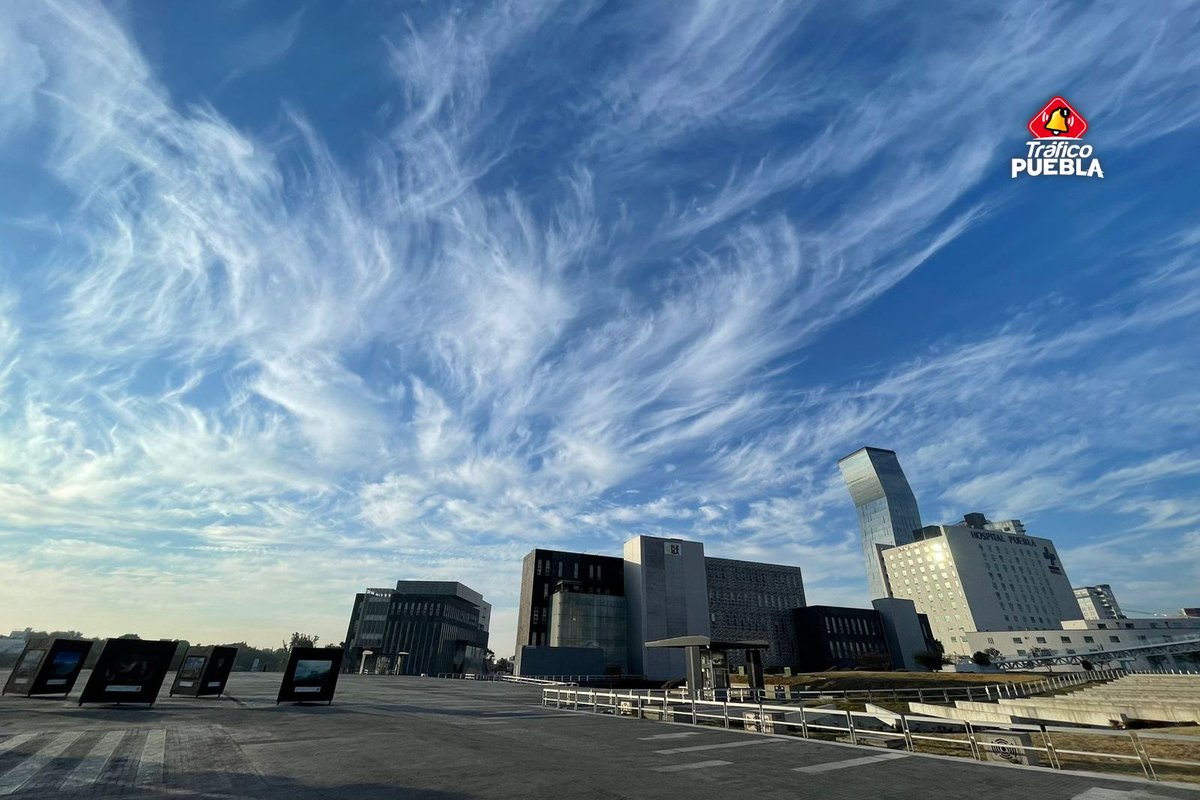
(887,510)
(666,587)
(1098,602)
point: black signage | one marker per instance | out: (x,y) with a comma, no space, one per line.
(48,666)
(204,671)
(311,675)
(129,671)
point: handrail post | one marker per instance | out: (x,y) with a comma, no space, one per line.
(1054,762)
(850,727)
(725,709)
(1143,756)
(975,753)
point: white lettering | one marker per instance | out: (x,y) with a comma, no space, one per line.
(1094,169)
(1085,151)
(1018,166)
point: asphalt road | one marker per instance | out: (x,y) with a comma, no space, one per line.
(396,737)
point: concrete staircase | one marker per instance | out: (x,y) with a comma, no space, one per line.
(1153,698)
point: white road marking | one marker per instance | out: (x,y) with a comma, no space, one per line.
(89,768)
(154,752)
(1100,793)
(19,775)
(695,748)
(693,765)
(15,742)
(669,736)
(850,762)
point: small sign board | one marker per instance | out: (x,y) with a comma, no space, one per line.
(48,666)
(311,675)
(129,671)
(204,671)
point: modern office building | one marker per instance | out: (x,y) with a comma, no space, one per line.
(980,575)
(418,627)
(750,601)
(660,589)
(887,509)
(1098,602)
(542,571)
(580,619)
(1084,636)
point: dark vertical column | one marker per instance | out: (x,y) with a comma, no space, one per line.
(754,669)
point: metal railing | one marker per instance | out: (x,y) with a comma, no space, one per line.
(1157,755)
(540,679)
(932,694)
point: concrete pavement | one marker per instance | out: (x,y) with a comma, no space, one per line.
(397,737)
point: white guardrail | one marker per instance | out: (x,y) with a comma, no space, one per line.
(1063,748)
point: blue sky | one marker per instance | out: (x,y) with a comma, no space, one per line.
(297,299)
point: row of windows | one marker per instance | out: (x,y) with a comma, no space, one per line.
(1065,639)
(851,625)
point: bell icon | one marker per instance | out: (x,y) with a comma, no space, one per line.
(1058,121)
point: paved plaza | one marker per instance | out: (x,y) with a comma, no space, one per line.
(397,737)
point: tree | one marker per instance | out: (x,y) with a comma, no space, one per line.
(994,654)
(982,658)
(303,640)
(934,658)
(1087,665)
(931,660)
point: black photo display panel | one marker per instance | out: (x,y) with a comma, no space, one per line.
(48,666)
(129,671)
(204,671)
(311,675)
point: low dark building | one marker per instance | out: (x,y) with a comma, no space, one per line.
(843,638)
(420,627)
(836,637)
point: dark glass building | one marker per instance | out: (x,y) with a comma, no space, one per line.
(887,509)
(541,573)
(420,627)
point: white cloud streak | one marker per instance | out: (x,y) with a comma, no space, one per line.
(262,363)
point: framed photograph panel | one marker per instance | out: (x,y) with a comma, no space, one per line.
(311,675)
(204,671)
(129,671)
(48,666)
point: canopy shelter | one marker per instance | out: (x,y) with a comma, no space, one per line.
(706,661)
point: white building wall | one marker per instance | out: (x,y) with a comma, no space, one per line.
(1078,637)
(990,578)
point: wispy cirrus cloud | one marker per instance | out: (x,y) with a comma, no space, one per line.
(580,274)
